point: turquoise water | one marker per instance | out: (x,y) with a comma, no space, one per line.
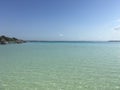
(60,66)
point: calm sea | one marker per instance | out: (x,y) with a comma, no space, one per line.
(60,66)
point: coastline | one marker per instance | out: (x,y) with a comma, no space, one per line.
(8,40)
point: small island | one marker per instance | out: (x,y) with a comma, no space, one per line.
(7,40)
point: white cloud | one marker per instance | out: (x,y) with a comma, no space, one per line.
(118,20)
(117,28)
(61,35)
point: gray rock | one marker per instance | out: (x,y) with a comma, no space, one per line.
(6,40)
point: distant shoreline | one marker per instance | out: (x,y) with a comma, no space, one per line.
(8,40)
(114,41)
(71,41)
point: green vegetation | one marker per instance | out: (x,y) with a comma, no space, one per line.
(6,40)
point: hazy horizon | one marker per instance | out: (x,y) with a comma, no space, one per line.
(61,20)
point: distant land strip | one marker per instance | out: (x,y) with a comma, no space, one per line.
(8,40)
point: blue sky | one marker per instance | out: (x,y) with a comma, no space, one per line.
(60,19)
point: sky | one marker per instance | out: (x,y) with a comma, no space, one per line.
(60,19)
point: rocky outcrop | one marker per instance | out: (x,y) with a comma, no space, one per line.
(7,40)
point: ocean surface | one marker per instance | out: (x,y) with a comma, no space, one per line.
(60,66)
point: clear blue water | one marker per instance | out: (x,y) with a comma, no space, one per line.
(60,66)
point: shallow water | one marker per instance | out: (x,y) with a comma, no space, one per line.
(60,66)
